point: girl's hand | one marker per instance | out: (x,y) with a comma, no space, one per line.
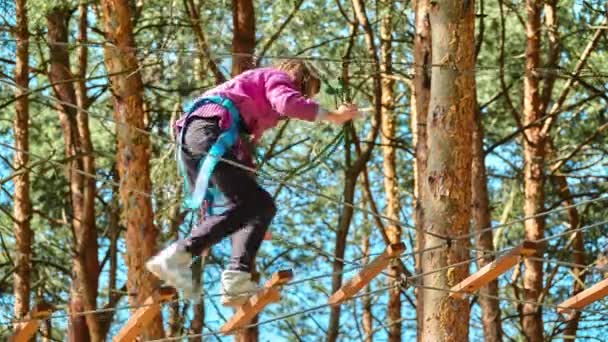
(344,113)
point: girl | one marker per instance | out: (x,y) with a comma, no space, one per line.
(249,104)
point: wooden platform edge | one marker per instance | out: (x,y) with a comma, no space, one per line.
(269,294)
(369,272)
(142,317)
(492,270)
(585,297)
(26,331)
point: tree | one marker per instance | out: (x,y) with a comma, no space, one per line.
(133,152)
(21,200)
(534,154)
(243,36)
(356,166)
(481,217)
(421,91)
(83,293)
(447,187)
(391,183)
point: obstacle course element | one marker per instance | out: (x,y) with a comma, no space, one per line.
(25,332)
(584,298)
(144,315)
(369,272)
(269,294)
(493,270)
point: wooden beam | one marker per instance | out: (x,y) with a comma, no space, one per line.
(24,332)
(269,294)
(369,272)
(584,298)
(492,270)
(142,317)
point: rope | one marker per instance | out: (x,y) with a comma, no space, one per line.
(313,192)
(236,164)
(518,69)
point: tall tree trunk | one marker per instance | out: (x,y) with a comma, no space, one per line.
(133,154)
(243,39)
(83,291)
(391,184)
(534,154)
(354,168)
(243,45)
(201,40)
(578,247)
(420,106)
(480,213)
(447,186)
(21,201)
(338,266)
(366,301)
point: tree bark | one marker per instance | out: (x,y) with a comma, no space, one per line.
(578,245)
(391,184)
(133,154)
(243,39)
(21,200)
(203,46)
(243,45)
(420,106)
(366,301)
(354,168)
(78,149)
(447,186)
(534,154)
(480,214)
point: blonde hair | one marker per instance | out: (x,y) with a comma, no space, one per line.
(304,75)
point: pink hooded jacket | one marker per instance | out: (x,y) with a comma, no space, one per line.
(262,96)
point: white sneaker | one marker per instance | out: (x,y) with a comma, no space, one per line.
(237,288)
(172,265)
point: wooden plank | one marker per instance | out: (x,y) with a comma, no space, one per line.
(27,330)
(142,317)
(492,270)
(269,294)
(584,298)
(369,272)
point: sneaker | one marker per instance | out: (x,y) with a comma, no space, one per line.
(237,288)
(172,265)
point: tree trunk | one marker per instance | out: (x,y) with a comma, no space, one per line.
(354,168)
(534,153)
(447,186)
(578,245)
(201,40)
(243,45)
(480,213)
(366,301)
(21,200)
(133,154)
(391,184)
(243,39)
(338,266)
(83,291)
(420,106)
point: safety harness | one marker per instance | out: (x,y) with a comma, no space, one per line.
(193,198)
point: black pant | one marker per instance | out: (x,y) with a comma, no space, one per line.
(249,208)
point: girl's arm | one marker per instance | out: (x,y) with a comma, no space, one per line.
(287,100)
(344,113)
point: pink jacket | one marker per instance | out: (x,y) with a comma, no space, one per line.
(262,96)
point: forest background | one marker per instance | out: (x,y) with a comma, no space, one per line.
(482,115)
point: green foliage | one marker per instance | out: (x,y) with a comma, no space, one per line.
(309,156)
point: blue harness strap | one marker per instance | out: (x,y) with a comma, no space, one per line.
(193,200)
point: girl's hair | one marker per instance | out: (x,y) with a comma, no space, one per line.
(304,75)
